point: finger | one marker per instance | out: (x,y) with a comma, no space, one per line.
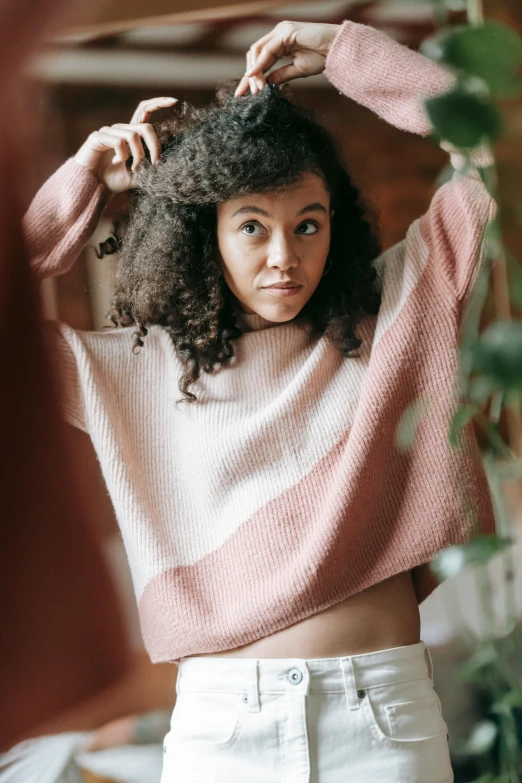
(263,40)
(246,83)
(251,82)
(284,74)
(145,108)
(133,140)
(259,78)
(101,142)
(261,82)
(261,43)
(148,133)
(242,87)
(267,56)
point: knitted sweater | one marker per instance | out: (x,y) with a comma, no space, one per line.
(281,492)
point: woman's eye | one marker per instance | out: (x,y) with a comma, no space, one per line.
(251,229)
(308,227)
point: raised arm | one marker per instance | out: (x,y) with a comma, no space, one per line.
(65,211)
(385,76)
(393,81)
(62,216)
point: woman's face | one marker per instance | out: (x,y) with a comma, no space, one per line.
(275,237)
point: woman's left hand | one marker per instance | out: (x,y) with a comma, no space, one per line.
(307,43)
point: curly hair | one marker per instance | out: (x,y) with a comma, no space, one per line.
(167,269)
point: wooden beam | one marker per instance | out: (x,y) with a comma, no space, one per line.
(114,16)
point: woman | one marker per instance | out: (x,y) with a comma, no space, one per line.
(278,538)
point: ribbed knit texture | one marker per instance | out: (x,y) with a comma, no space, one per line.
(281,491)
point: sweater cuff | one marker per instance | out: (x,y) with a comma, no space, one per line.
(70,184)
(61,216)
(388,78)
(343,52)
(72,174)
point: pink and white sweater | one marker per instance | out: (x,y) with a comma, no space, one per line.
(281,491)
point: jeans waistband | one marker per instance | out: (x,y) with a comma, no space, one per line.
(350,673)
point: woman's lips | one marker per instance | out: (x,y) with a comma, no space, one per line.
(283,291)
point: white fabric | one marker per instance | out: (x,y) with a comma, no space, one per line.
(59,758)
(372,717)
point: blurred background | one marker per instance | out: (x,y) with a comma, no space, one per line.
(94,73)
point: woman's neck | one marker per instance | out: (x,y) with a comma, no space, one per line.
(253,322)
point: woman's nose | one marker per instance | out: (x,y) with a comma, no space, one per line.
(281,252)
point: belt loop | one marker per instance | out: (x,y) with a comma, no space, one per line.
(350,685)
(429,662)
(253,687)
(307,676)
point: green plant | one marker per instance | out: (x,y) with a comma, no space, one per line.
(486,58)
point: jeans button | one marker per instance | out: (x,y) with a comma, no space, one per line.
(295,676)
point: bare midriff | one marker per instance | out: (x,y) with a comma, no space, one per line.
(382,616)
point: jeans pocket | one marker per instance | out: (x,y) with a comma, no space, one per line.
(405,712)
(211,719)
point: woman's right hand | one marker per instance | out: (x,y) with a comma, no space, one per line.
(307,43)
(105,151)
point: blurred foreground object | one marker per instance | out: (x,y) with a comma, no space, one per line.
(62,759)
(62,634)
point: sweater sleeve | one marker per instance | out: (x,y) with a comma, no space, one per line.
(62,217)
(393,81)
(61,339)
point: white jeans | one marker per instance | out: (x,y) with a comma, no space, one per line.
(372,718)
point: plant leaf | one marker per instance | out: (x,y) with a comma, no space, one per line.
(509,700)
(492,51)
(509,471)
(480,389)
(472,669)
(464,119)
(460,418)
(515,292)
(481,739)
(497,353)
(452,561)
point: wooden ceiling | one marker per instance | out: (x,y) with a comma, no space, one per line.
(208,49)
(113,16)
